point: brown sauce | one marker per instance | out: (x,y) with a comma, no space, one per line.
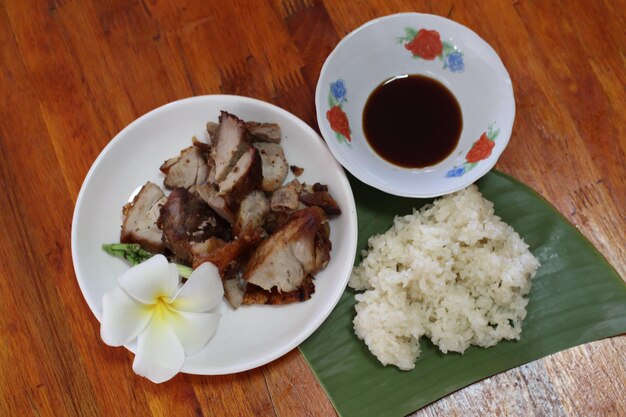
(412,121)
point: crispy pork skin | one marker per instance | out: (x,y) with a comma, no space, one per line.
(186,219)
(228,255)
(187,169)
(274,165)
(257,295)
(140,218)
(321,199)
(244,177)
(230,143)
(298,248)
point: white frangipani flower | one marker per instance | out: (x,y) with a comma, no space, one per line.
(169,320)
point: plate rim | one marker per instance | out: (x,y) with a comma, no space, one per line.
(350,212)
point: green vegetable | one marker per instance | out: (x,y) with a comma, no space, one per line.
(135,254)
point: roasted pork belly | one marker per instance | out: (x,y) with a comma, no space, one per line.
(187,169)
(264,132)
(140,218)
(245,177)
(321,199)
(252,212)
(231,142)
(298,248)
(274,165)
(286,198)
(186,219)
(257,295)
(208,193)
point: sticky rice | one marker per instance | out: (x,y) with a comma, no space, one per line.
(452,271)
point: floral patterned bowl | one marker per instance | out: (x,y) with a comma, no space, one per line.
(413,43)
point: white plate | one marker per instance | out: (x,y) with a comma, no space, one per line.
(253,335)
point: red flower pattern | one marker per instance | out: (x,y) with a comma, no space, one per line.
(426,44)
(481,149)
(339,121)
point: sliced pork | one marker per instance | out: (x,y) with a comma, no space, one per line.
(287,198)
(208,193)
(274,165)
(187,169)
(264,132)
(186,219)
(140,218)
(297,249)
(230,143)
(252,212)
(244,177)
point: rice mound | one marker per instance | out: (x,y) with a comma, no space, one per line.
(454,272)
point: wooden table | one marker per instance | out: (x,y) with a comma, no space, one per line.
(74,73)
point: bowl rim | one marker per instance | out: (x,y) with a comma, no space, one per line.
(479,172)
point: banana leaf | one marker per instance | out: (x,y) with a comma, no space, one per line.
(576,298)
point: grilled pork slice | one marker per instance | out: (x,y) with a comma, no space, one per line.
(140,218)
(321,199)
(274,165)
(186,219)
(252,212)
(217,203)
(287,198)
(230,143)
(298,248)
(264,132)
(259,132)
(257,295)
(245,176)
(187,169)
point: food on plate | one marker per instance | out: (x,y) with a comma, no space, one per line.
(297,249)
(296,170)
(187,169)
(273,164)
(186,219)
(140,217)
(452,271)
(319,196)
(229,206)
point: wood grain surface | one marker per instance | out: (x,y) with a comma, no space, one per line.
(74,73)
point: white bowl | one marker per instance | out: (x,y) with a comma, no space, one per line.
(390,46)
(250,336)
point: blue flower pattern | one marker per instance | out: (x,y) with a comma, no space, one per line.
(338,90)
(454,62)
(456,172)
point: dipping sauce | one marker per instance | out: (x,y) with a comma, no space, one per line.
(412,121)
